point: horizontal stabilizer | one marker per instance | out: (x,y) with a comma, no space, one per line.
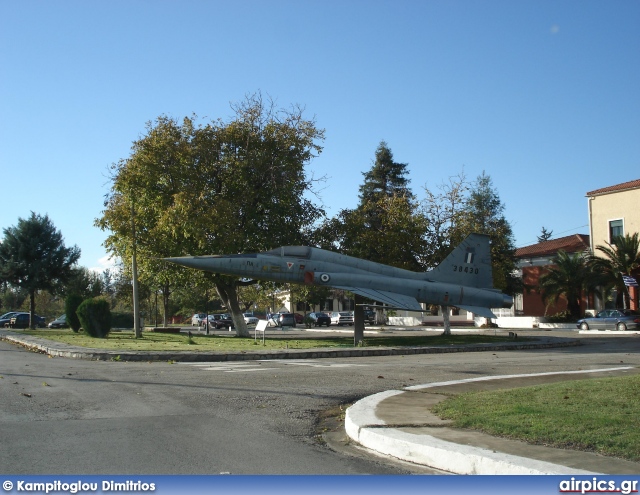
(393,299)
(477,310)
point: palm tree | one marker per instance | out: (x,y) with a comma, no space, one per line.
(569,277)
(622,257)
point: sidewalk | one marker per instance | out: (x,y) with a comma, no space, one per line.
(398,423)
(60,349)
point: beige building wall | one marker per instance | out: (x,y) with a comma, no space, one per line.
(609,207)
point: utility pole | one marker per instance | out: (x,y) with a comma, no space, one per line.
(134,271)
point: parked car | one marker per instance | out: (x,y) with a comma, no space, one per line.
(612,319)
(298,317)
(5,319)
(320,319)
(21,320)
(59,322)
(369,316)
(198,319)
(341,318)
(221,321)
(249,319)
(286,320)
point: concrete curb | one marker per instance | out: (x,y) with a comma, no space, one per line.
(58,349)
(364,427)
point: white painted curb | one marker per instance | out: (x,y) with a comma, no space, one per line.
(364,427)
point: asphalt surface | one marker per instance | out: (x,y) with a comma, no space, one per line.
(399,424)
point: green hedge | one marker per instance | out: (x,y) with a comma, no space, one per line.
(71,304)
(95,317)
(121,320)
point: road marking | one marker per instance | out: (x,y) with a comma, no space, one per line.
(228,367)
(526,375)
(314,364)
(250,367)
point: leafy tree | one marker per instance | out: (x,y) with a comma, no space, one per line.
(313,295)
(33,257)
(108,283)
(71,305)
(386,226)
(620,257)
(12,297)
(394,236)
(259,295)
(545,235)
(484,214)
(84,282)
(568,277)
(143,191)
(443,210)
(223,187)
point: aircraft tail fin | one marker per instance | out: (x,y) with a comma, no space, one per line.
(469,264)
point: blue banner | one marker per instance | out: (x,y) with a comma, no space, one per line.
(320,485)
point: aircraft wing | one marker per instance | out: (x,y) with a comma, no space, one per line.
(395,300)
(478,310)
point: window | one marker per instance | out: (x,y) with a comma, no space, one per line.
(348,304)
(327,305)
(615,229)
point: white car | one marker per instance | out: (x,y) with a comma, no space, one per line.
(341,318)
(198,319)
(249,319)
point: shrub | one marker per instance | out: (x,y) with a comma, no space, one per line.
(562,317)
(121,320)
(95,317)
(71,304)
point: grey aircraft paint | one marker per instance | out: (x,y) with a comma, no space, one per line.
(464,279)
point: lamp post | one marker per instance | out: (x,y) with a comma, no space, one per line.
(134,276)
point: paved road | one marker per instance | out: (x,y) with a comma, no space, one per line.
(68,416)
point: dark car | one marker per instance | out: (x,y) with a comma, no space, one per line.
(59,322)
(320,319)
(369,316)
(21,320)
(5,319)
(221,321)
(612,319)
(298,317)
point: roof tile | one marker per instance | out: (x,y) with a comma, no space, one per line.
(571,244)
(633,184)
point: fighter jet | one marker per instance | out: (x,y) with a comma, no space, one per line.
(464,279)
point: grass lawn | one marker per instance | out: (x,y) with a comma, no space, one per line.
(598,415)
(155,341)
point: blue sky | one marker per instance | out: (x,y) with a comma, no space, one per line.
(542,95)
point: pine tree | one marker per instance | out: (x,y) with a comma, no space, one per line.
(386,226)
(33,257)
(484,214)
(545,235)
(385,179)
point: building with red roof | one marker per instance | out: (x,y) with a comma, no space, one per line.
(614,211)
(533,261)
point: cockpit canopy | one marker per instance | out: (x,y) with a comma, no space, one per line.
(291,251)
